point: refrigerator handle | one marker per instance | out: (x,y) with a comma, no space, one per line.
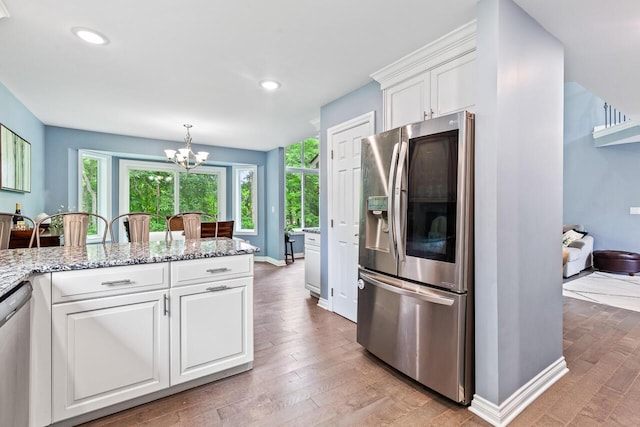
(390,188)
(430,297)
(397,195)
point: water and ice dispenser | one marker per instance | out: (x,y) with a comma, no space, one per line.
(377,223)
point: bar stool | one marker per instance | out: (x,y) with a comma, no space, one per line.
(288,250)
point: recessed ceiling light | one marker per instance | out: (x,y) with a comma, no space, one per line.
(90,36)
(270,84)
(4,13)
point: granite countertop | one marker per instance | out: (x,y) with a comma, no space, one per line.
(315,230)
(17,264)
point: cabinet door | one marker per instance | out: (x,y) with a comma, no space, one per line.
(108,350)
(453,85)
(312,268)
(211,328)
(407,102)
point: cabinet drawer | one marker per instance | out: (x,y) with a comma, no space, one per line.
(195,271)
(100,282)
(311,239)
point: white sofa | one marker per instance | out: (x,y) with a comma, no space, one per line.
(579,252)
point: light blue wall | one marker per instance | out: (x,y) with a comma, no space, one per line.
(361,101)
(61,150)
(518,200)
(274,204)
(600,184)
(15,116)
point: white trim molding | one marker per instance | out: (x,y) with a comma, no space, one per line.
(448,47)
(503,414)
(272,261)
(623,133)
(323,303)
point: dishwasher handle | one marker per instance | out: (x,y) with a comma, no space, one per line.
(14,301)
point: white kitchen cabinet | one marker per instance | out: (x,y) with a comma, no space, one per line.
(118,335)
(211,328)
(435,80)
(108,350)
(445,89)
(407,101)
(312,263)
(453,86)
(110,336)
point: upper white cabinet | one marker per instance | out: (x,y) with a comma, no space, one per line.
(408,101)
(435,80)
(453,86)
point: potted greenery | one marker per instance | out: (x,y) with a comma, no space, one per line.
(288,231)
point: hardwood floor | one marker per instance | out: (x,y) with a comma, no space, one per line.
(309,370)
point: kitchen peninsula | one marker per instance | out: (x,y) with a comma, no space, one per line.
(117,325)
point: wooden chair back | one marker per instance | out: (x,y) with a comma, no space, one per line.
(6,225)
(217,229)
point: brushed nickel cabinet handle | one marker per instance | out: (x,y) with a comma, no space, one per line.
(217,288)
(218,270)
(117,282)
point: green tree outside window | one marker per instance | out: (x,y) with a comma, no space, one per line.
(302,184)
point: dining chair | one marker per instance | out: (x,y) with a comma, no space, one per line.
(217,229)
(6,225)
(74,226)
(190,222)
(137,226)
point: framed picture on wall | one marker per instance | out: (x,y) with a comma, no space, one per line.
(15,161)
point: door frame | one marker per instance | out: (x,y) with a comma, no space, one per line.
(356,121)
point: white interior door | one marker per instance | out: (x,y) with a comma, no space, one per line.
(344,141)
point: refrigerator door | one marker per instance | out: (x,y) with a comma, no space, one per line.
(420,331)
(377,240)
(433,189)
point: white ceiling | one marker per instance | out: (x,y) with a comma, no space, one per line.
(200,61)
(602,41)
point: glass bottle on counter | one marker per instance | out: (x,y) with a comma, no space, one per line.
(18,219)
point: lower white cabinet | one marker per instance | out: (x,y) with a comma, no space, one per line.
(108,350)
(107,336)
(312,263)
(210,328)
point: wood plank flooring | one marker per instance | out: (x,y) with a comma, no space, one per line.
(309,370)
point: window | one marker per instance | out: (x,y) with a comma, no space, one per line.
(245,199)
(164,190)
(302,184)
(93,189)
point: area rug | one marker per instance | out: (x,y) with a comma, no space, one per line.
(617,290)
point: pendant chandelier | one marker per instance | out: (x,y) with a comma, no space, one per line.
(185,157)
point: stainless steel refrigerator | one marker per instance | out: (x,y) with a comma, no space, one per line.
(415,277)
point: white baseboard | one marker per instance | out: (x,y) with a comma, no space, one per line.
(323,303)
(501,415)
(276,262)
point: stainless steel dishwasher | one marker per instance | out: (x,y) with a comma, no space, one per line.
(14,356)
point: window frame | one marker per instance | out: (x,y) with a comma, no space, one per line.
(237,199)
(103,192)
(126,165)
